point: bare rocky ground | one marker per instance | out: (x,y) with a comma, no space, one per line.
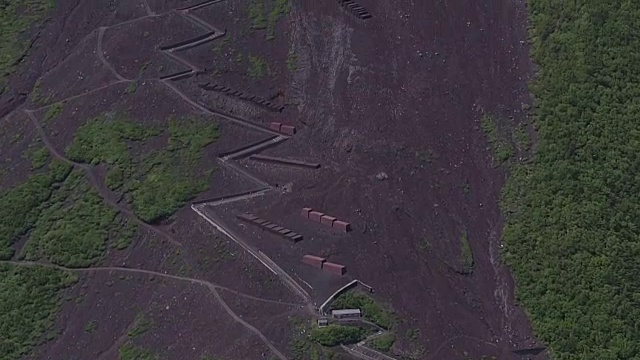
(400,94)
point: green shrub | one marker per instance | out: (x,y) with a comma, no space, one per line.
(73,227)
(258,67)
(280,8)
(157,184)
(257,14)
(39,158)
(467,254)
(16,17)
(29,299)
(383,342)
(53,112)
(21,206)
(502,147)
(132,352)
(333,335)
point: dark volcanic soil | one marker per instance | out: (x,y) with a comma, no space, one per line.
(401,94)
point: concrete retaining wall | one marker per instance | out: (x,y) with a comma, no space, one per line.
(287,162)
(187,42)
(240,149)
(200,5)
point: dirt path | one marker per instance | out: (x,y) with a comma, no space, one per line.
(212,287)
(103,59)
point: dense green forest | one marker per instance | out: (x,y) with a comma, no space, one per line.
(573,213)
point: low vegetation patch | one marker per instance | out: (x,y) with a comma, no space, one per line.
(280,9)
(467,254)
(53,112)
(73,226)
(333,335)
(258,67)
(132,352)
(292,61)
(141,325)
(30,299)
(16,17)
(302,347)
(498,138)
(372,311)
(572,214)
(257,15)
(383,342)
(157,184)
(21,206)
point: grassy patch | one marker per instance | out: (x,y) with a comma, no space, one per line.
(383,342)
(140,326)
(257,15)
(73,227)
(467,254)
(21,206)
(39,158)
(498,138)
(280,8)
(333,335)
(53,112)
(132,352)
(302,347)
(258,67)
(131,88)
(523,142)
(106,139)
(571,234)
(167,180)
(126,235)
(292,61)
(90,326)
(30,298)
(38,154)
(16,17)
(158,184)
(372,311)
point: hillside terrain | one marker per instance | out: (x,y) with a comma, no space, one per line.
(168,164)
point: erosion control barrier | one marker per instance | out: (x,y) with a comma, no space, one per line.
(355,9)
(226,197)
(271,227)
(322,218)
(199,5)
(256,149)
(245,147)
(184,43)
(179,75)
(286,162)
(243,96)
